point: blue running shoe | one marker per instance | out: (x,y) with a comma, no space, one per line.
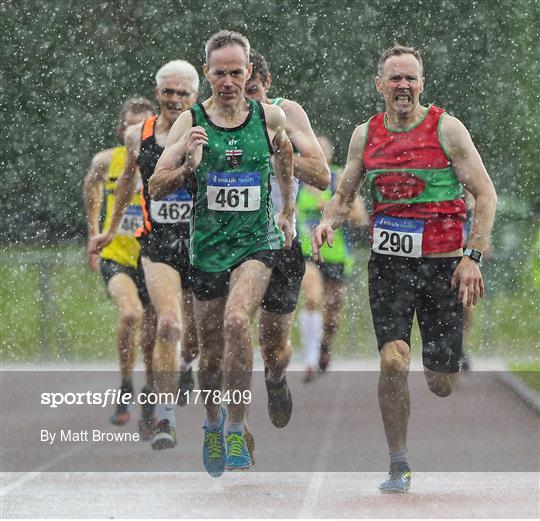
(399,479)
(238,457)
(214,454)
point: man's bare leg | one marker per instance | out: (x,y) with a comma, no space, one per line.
(209,318)
(311,323)
(394,401)
(124,294)
(274,338)
(334,293)
(276,350)
(163,283)
(148,340)
(189,347)
(247,287)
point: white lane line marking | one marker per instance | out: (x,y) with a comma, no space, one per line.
(29,476)
(308,508)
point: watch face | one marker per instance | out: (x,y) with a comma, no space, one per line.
(475,255)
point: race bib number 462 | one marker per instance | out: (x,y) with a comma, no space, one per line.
(174,208)
(396,236)
(234,191)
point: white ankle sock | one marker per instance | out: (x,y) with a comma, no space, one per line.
(311,329)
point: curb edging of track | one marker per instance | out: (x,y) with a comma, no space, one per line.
(528,395)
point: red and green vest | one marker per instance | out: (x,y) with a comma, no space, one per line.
(410,176)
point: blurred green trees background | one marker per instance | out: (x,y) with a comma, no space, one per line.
(68,65)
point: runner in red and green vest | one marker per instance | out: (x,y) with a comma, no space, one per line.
(416,160)
(222,151)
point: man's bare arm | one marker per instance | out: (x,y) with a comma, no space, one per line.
(358,215)
(126,183)
(309,164)
(283,165)
(182,155)
(471,172)
(93,190)
(93,201)
(125,188)
(339,207)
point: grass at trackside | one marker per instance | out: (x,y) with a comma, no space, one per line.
(78,322)
(529,372)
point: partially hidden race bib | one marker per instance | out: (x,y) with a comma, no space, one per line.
(396,236)
(131,220)
(173,208)
(234,191)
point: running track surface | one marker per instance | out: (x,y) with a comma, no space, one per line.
(47,493)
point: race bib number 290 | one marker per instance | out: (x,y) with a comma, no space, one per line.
(174,208)
(234,191)
(396,236)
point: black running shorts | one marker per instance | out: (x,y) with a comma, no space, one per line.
(401,286)
(110,268)
(170,249)
(281,296)
(209,285)
(333,271)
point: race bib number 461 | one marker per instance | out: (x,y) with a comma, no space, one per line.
(234,191)
(174,208)
(396,236)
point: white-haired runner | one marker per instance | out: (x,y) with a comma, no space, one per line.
(164,242)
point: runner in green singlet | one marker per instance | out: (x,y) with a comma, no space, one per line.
(324,283)
(279,302)
(221,151)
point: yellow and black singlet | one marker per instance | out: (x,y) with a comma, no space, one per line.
(124,248)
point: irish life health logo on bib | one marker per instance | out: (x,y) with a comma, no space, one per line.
(233,154)
(396,236)
(234,191)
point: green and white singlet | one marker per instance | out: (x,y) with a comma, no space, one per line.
(233,214)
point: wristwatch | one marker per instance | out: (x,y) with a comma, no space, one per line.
(475,255)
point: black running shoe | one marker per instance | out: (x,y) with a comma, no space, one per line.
(280,403)
(147,424)
(120,415)
(465,362)
(325,357)
(122,410)
(164,437)
(186,384)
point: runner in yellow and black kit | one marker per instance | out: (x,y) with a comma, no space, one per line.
(120,263)
(163,240)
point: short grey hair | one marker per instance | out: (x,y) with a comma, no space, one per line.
(179,68)
(225,38)
(399,50)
